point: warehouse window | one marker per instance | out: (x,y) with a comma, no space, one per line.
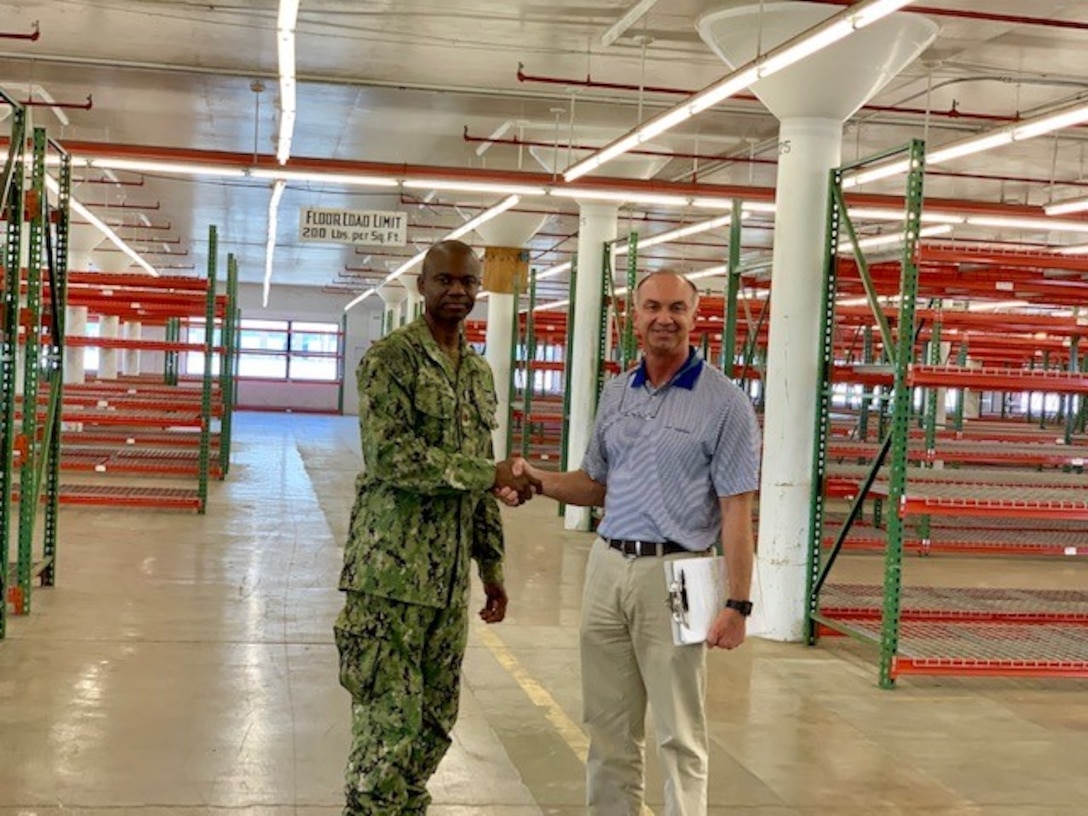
(278,350)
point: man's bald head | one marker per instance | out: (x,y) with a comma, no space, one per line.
(668,273)
(440,255)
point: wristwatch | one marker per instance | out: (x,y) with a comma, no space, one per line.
(744,607)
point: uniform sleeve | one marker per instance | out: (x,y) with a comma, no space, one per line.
(392,451)
(487,540)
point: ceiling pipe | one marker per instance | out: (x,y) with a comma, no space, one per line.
(952,112)
(515,141)
(108,181)
(33,36)
(671,154)
(35,103)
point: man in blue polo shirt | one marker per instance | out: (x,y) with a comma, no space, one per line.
(674,460)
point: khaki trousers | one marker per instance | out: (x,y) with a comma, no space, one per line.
(628,659)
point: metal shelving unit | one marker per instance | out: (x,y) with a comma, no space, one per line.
(174,426)
(947,630)
(34,329)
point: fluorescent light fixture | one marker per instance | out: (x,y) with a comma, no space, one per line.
(1028,223)
(555,304)
(1073,114)
(967,147)
(53,187)
(285,49)
(709,272)
(674,235)
(333,178)
(1077,249)
(473,187)
(1065,207)
(995,305)
(754,206)
(167,167)
(895,238)
(484,217)
(551,272)
(820,36)
(805,48)
(1047,123)
(270,242)
(878,214)
(634,197)
(466,228)
(876,173)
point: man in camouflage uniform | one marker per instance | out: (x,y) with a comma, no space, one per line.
(423,509)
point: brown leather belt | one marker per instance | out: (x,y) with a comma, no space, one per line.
(638,549)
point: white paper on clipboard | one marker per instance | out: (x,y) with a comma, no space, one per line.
(696,594)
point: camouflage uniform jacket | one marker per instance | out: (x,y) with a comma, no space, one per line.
(422,506)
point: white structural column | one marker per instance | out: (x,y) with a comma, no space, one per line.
(130,360)
(596,224)
(108,329)
(82,239)
(75,356)
(501,314)
(811,100)
(392,295)
(786,487)
(505,271)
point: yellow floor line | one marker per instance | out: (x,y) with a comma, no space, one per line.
(568,730)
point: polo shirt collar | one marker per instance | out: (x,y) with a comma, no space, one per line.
(686,377)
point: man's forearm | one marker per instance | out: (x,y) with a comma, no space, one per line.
(573,487)
(738,544)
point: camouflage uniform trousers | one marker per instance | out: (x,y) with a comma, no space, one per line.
(401,662)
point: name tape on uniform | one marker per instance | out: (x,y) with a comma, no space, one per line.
(357,227)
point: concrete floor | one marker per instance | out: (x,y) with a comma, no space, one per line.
(184,665)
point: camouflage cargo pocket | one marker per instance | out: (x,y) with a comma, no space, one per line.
(359,656)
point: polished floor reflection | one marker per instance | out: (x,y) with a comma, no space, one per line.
(184,665)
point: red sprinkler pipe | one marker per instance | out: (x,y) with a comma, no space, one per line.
(952,113)
(41,103)
(32,36)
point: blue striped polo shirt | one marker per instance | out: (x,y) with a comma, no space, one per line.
(667,454)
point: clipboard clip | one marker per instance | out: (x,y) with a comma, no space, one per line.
(677,600)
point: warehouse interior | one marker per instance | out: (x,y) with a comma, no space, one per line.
(211,211)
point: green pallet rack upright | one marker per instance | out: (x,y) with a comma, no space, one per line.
(11,211)
(228,363)
(206,386)
(58,285)
(902,342)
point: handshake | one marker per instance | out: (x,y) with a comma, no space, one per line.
(516,481)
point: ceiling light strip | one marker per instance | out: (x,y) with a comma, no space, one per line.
(467,227)
(1075,113)
(270,242)
(820,36)
(54,187)
(285,50)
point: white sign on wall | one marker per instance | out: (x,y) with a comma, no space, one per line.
(358,227)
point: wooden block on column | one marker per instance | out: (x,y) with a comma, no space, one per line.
(503,266)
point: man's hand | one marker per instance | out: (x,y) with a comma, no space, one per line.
(514,483)
(495,608)
(727,631)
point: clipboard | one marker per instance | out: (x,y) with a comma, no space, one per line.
(696,594)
